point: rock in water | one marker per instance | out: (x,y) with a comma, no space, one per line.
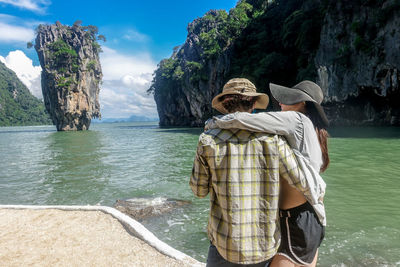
(143,208)
(71,74)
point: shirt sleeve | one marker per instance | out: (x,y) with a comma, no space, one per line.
(286,123)
(200,178)
(290,170)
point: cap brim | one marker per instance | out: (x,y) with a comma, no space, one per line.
(288,96)
(261,103)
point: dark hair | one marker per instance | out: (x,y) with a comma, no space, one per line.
(322,133)
(235,102)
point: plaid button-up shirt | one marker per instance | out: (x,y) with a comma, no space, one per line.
(241,171)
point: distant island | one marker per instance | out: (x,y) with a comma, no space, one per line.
(132,118)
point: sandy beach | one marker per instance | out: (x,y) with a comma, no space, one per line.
(54,237)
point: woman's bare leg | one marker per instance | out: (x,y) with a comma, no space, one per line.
(282,261)
(314,262)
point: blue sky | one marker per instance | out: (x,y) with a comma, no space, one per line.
(139,34)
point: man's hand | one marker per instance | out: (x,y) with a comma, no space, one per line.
(209,124)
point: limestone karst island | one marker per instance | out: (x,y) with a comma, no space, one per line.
(71,74)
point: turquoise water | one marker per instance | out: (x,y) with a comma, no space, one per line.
(119,161)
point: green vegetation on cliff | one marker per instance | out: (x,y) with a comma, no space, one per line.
(263,40)
(63,60)
(216,32)
(269,40)
(17,105)
(280,44)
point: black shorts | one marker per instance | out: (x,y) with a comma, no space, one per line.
(301,234)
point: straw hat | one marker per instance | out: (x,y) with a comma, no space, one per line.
(240,86)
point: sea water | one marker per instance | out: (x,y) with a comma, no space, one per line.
(142,161)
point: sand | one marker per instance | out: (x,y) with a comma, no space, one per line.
(72,238)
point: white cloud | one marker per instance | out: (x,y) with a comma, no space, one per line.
(17,30)
(12,33)
(129,80)
(133,35)
(119,101)
(116,65)
(25,70)
(38,6)
(126,80)
(6,17)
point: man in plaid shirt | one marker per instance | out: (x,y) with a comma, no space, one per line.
(241,171)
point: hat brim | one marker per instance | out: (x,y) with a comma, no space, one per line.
(322,114)
(261,103)
(289,96)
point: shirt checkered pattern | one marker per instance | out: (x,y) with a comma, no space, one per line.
(241,171)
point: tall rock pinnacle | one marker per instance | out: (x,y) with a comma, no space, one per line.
(71,74)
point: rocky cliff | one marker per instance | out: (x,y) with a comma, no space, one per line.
(358,62)
(349,47)
(184,83)
(71,74)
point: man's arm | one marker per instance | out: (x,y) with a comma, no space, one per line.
(199,180)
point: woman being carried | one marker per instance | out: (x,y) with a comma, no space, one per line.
(303,123)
